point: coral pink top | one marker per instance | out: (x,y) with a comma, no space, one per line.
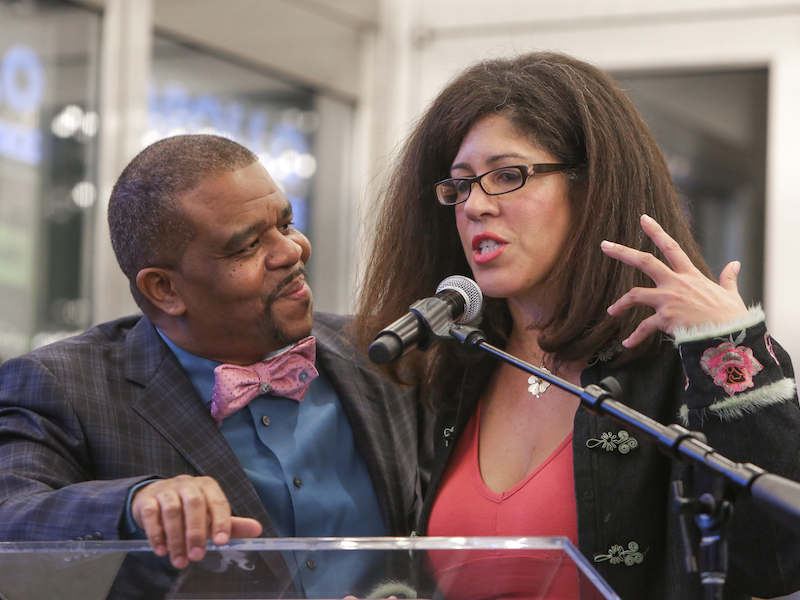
(542,504)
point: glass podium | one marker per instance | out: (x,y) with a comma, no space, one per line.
(416,567)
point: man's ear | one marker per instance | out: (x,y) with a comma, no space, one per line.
(157,285)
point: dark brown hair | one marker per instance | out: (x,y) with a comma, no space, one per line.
(145,218)
(578,114)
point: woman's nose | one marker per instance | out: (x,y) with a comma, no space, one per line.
(479,203)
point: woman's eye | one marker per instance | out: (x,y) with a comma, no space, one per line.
(509,176)
(462,186)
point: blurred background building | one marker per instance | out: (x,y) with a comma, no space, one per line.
(324,91)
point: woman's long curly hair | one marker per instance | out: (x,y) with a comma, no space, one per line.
(578,114)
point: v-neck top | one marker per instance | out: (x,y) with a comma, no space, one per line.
(541,505)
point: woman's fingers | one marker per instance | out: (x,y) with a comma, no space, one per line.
(683,295)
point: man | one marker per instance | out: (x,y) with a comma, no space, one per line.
(114,433)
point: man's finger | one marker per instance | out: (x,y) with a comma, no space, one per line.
(218,511)
(244,528)
(174,526)
(195,520)
(147,513)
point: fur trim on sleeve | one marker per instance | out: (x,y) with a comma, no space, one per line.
(737,406)
(712,329)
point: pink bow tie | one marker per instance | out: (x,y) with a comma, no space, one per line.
(288,374)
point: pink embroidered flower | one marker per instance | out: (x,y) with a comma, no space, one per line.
(731,367)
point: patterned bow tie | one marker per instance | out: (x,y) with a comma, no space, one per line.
(288,375)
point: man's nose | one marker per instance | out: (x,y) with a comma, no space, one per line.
(285,251)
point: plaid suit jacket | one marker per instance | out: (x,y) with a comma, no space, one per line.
(84,419)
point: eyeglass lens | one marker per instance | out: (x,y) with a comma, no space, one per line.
(495,182)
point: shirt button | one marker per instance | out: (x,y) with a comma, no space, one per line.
(298,483)
(265,420)
(264,388)
(311,564)
(588,495)
(303,376)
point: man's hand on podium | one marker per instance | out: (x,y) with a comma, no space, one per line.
(180,514)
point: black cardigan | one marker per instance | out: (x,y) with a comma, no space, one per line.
(622,490)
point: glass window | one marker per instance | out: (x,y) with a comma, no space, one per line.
(712,128)
(193,91)
(48,125)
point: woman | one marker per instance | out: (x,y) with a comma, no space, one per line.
(536,177)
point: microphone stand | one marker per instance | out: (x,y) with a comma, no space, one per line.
(716,479)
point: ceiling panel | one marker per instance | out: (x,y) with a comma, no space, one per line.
(310,42)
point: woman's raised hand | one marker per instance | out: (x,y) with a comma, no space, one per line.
(683,296)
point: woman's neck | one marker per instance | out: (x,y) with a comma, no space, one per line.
(523,341)
(526,318)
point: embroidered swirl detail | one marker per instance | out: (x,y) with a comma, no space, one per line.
(611,441)
(617,554)
(448,435)
(606,354)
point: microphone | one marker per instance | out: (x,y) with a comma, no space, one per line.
(458,300)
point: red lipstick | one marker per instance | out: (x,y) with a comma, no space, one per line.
(486,247)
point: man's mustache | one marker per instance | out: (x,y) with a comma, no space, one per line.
(283,283)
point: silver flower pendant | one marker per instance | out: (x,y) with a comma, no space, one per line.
(537,385)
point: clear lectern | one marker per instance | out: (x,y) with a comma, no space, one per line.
(415,567)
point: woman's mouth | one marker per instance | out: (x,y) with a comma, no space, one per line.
(485,248)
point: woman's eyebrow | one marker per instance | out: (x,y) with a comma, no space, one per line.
(492,159)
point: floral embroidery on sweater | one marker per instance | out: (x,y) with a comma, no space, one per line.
(731,366)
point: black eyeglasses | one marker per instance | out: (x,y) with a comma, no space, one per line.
(495,182)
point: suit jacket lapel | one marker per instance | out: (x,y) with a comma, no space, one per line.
(368,420)
(171,405)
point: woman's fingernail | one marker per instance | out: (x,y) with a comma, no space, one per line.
(606,245)
(647,218)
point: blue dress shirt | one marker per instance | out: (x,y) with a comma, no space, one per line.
(303,463)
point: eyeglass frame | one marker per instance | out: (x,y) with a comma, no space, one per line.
(527,172)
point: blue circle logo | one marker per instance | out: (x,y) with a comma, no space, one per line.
(22,78)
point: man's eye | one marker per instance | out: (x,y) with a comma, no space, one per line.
(251,246)
(287,226)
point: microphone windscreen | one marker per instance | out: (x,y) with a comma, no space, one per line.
(473,297)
